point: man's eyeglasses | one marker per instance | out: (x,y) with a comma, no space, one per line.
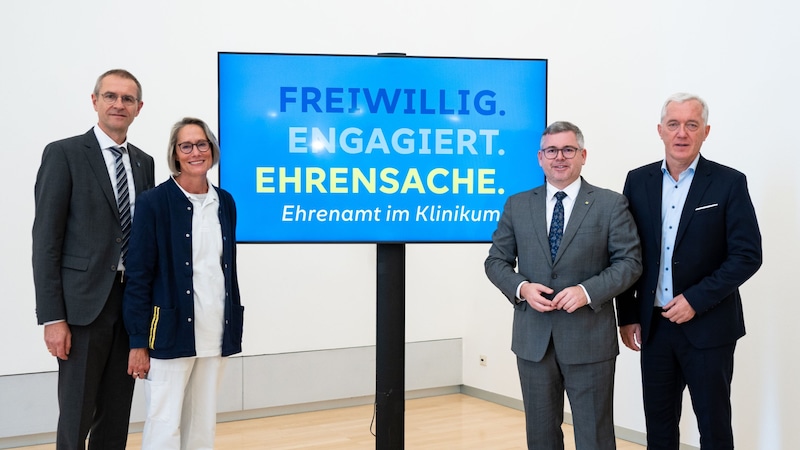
(187,147)
(127,100)
(690,126)
(552,152)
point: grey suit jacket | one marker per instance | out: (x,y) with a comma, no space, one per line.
(600,250)
(76,231)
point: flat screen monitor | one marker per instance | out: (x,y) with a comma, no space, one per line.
(383,148)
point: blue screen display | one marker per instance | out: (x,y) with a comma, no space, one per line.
(335,148)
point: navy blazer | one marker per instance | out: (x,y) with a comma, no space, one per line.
(717,248)
(158,306)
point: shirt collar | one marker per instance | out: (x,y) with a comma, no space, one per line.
(105,141)
(210,196)
(571,190)
(692,167)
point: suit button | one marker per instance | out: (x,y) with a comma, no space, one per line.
(113,268)
(553,276)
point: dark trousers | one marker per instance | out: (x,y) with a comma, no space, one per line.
(669,364)
(94,389)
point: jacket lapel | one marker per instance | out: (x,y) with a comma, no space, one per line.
(538,219)
(580,208)
(139,175)
(94,155)
(700,183)
(653,185)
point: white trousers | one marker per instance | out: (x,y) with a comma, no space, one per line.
(181,403)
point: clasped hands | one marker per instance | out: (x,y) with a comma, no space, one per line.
(570,299)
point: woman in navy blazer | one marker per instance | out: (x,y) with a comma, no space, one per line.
(181,307)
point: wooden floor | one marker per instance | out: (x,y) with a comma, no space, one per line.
(445,422)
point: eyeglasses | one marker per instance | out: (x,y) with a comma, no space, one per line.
(690,126)
(552,152)
(127,100)
(187,147)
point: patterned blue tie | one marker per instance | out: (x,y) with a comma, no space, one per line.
(123,200)
(557,225)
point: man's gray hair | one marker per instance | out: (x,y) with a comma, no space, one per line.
(563,127)
(681,97)
(122,73)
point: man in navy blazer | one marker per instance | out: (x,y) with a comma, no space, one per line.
(564,333)
(700,242)
(77,266)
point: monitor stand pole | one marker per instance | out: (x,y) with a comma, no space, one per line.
(390,347)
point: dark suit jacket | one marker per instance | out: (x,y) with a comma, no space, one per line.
(717,248)
(76,231)
(600,249)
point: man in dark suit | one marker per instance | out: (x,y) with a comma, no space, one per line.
(564,331)
(78,265)
(700,242)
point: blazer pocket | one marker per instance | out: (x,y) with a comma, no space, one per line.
(589,230)
(75,262)
(162,328)
(708,212)
(706,207)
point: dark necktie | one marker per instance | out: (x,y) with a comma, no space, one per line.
(557,225)
(123,199)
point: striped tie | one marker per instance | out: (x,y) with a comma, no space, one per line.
(123,199)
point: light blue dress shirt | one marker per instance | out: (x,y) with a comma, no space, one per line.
(673,197)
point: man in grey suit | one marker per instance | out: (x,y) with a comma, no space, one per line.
(576,247)
(78,264)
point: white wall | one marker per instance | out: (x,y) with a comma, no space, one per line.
(611,64)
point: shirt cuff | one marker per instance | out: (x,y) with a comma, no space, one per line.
(588,299)
(54,321)
(519,298)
